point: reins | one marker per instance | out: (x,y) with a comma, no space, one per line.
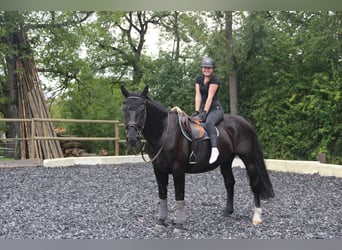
(162,146)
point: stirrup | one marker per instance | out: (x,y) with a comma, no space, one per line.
(192,158)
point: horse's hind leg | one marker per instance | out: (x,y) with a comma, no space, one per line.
(257,208)
(229,183)
(254,182)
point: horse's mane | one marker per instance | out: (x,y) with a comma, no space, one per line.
(153,103)
(156,104)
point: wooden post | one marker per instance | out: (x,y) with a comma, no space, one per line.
(32,146)
(322,158)
(117,139)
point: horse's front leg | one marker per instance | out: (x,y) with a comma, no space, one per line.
(179,183)
(162,181)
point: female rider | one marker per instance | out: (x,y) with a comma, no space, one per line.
(207,88)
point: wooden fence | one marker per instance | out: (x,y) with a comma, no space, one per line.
(33,121)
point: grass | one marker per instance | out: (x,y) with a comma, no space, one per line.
(5,159)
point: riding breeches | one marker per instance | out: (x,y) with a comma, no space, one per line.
(214,116)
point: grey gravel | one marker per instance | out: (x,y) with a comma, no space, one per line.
(120,202)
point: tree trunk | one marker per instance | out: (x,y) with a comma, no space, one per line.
(27,101)
(11,91)
(233,93)
(177,38)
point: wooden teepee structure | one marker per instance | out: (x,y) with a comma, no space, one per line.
(32,104)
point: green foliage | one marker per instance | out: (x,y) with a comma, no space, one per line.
(172,83)
(303,122)
(94,100)
(291,85)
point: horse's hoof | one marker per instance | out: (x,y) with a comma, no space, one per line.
(161,225)
(179,228)
(257,222)
(227,213)
(257,216)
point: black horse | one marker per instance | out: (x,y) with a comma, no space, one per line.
(169,152)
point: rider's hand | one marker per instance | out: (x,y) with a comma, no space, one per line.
(203,115)
(196,113)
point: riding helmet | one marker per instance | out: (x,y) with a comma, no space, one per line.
(208,62)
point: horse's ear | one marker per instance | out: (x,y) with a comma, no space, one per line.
(124,91)
(145,91)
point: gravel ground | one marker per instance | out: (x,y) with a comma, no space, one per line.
(120,201)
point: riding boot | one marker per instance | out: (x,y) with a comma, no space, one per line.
(213,141)
(213,155)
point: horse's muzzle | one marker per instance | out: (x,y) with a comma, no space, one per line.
(133,142)
(133,137)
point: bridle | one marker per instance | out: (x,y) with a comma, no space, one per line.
(133,124)
(140,127)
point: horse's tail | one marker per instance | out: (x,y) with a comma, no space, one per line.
(265,188)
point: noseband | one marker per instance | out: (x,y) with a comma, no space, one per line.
(136,126)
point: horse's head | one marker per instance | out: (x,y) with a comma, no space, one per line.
(135,115)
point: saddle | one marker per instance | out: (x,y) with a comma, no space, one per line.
(193,128)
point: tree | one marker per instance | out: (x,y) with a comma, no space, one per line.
(172,75)
(10,22)
(171,23)
(289,62)
(122,41)
(233,94)
(22,85)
